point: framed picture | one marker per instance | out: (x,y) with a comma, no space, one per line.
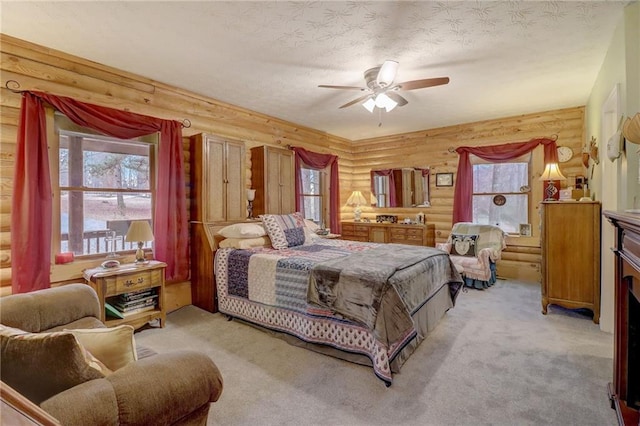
(444,179)
(525,229)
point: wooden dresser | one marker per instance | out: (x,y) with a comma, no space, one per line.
(571,255)
(398,233)
(624,391)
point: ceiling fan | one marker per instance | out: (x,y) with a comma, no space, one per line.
(382,93)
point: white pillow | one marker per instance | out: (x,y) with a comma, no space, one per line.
(115,347)
(245,243)
(243,230)
(313,227)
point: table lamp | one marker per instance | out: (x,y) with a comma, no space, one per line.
(139,231)
(551,174)
(356,199)
(251,195)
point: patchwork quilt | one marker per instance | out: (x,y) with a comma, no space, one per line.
(275,289)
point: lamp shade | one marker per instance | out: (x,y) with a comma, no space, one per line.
(356,199)
(251,194)
(139,230)
(552,172)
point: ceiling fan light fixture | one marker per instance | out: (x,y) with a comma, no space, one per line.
(384,101)
(387,73)
(370,105)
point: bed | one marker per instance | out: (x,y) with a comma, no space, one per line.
(368,303)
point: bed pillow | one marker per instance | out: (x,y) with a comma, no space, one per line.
(285,230)
(313,227)
(245,243)
(115,346)
(243,230)
(310,229)
(464,245)
(41,365)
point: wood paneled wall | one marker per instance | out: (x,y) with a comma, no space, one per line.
(431,148)
(43,69)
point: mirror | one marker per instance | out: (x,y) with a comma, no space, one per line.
(401,187)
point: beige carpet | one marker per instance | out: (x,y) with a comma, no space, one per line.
(494,359)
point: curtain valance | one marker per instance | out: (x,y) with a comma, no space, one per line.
(319,161)
(462,198)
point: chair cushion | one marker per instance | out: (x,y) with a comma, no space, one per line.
(464,245)
(40,365)
(115,347)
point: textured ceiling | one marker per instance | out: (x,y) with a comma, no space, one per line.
(504,58)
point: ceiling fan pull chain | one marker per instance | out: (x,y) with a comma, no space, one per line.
(379,117)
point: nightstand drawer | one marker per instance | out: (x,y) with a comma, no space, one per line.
(137,281)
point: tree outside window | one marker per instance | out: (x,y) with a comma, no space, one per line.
(312,194)
(104,184)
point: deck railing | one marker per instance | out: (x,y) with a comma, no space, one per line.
(96,242)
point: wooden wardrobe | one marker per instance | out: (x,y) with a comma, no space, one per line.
(273,178)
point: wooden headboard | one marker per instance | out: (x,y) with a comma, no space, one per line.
(204,243)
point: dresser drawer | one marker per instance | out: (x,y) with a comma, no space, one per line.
(137,281)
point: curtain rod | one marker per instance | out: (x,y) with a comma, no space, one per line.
(186,123)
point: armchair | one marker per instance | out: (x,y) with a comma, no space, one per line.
(173,388)
(475,248)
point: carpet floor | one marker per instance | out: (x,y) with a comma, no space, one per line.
(494,359)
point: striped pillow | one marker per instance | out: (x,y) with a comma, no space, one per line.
(286,230)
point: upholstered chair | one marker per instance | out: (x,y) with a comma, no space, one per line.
(475,248)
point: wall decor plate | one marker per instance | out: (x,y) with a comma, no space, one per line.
(499,200)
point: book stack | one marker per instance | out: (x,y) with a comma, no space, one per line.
(128,304)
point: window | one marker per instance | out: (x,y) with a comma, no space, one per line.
(313,194)
(104,184)
(499,195)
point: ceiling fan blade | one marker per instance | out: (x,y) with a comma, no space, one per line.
(387,73)
(419,84)
(326,86)
(355,101)
(399,99)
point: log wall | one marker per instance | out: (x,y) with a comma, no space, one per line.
(432,148)
(43,69)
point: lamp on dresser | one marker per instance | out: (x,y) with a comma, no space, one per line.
(139,231)
(356,199)
(552,174)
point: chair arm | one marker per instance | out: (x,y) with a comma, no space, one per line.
(487,255)
(161,389)
(45,309)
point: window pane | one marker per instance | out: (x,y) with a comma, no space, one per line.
(508,216)
(86,216)
(311,181)
(499,178)
(101,163)
(313,208)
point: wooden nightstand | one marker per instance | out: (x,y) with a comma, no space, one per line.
(124,280)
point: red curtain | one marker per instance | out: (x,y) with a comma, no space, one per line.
(31,201)
(320,161)
(170,221)
(392,184)
(462,198)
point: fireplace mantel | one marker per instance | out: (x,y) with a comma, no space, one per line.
(624,391)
